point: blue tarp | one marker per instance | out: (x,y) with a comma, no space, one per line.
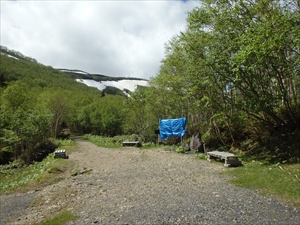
(172,127)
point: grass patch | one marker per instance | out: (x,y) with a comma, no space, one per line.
(281,180)
(180,149)
(17,176)
(66,142)
(106,142)
(149,145)
(62,218)
(202,156)
(54,173)
(14,177)
(116,141)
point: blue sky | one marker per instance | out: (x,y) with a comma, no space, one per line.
(116,38)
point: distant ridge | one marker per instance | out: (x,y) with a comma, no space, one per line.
(107,84)
(75,73)
(79,74)
(15,54)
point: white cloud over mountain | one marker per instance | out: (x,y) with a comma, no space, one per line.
(115,38)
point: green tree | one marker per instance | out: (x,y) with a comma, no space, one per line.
(112,115)
(24,125)
(58,104)
(140,118)
(237,68)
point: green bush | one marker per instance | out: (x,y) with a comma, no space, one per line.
(43,149)
(6,155)
(17,174)
(115,141)
(180,149)
(149,144)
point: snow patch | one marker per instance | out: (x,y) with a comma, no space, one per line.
(12,57)
(131,85)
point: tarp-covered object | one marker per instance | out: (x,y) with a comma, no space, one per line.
(172,127)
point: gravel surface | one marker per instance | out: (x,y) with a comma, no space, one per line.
(138,186)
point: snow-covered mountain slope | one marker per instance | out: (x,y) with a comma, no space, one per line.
(130,85)
(15,54)
(102,81)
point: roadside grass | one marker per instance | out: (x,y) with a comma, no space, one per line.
(280,180)
(149,145)
(100,141)
(66,142)
(19,177)
(60,219)
(116,142)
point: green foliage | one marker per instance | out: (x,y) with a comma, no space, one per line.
(66,142)
(62,218)
(39,102)
(180,149)
(74,172)
(149,145)
(113,91)
(112,115)
(140,116)
(16,54)
(202,156)
(16,174)
(112,142)
(101,116)
(286,147)
(43,149)
(234,74)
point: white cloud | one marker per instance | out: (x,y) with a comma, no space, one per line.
(116,38)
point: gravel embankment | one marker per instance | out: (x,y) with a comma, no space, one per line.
(133,186)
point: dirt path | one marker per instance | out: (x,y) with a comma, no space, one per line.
(134,186)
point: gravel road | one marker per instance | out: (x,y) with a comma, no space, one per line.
(145,186)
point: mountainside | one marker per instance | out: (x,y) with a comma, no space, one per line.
(39,103)
(15,54)
(107,84)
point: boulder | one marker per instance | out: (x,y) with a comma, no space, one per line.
(196,143)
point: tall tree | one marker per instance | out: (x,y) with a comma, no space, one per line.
(238,64)
(58,104)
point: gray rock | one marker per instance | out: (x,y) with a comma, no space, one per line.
(196,143)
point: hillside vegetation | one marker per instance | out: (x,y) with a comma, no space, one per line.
(234,74)
(39,102)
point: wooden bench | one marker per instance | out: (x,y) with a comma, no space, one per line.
(230,159)
(131,143)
